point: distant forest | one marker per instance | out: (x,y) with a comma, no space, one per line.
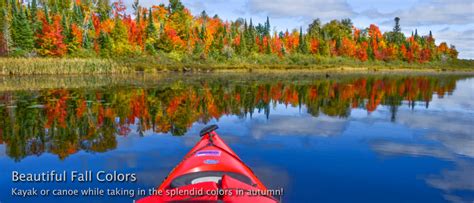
(100,28)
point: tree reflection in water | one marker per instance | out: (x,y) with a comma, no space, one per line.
(64,121)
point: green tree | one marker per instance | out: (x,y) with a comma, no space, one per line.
(22,35)
(397,28)
(314,29)
(176,6)
(267,27)
(5,37)
(302,46)
(151,34)
(105,44)
(396,36)
(104,9)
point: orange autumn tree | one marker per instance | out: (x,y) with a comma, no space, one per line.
(50,38)
(375,39)
(348,47)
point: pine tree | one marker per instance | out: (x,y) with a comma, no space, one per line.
(22,35)
(251,41)
(46,13)
(136,8)
(267,27)
(77,14)
(151,34)
(105,44)
(150,28)
(176,6)
(314,29)
(34,16)
(64,24)
(243,49)
(302,48)
(397,28)
(104,9)
(4,29)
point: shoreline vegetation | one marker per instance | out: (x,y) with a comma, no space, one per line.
(82,37)
(152,64)
(98,81)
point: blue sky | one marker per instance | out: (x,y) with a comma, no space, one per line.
(449,20)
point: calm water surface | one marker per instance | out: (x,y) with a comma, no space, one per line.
(342,138)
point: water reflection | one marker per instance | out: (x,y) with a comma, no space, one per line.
(447,134)
(404,138)
(64,121)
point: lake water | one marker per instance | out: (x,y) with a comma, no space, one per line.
(385,137)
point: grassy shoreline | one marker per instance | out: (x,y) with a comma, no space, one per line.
(84,66)
(41,82)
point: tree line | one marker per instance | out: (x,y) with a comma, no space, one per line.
(91,28)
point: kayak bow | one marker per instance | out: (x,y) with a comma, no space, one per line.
(211,172)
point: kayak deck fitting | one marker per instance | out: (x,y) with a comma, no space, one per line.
(211,172)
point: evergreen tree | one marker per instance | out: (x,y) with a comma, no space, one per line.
(175,6)
(397,28)
(46,13)
(150,28)
(104,9)
(22,35)
(243,49)
(314,29)
(77,14)
(4,29)
(151,34)
(302,47)
(250,38)
(34,16)
(105,44)
(64,24)
(202,32)
(267,27)
(136,8)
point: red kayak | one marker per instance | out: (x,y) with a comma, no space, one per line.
(211,172)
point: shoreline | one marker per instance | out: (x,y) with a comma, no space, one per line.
(72,81)
(98,66)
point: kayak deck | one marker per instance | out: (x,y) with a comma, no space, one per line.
(211,171)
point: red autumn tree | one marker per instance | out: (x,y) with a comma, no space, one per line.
(50,39)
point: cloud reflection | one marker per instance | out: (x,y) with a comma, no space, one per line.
(448,135)
(390,148)
(461,178)
(452,130)
(283,125)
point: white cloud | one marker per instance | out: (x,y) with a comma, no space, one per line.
(325,10)
(433,12)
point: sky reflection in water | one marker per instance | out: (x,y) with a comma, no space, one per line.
(333,144)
